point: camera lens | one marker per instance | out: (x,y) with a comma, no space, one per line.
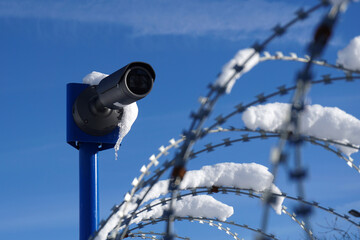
(139,81)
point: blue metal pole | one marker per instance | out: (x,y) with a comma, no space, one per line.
(89,189)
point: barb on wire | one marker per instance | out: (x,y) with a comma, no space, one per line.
(299,222)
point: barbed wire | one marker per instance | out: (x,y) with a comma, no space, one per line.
(293,57)
(261,131)
(262,98)
(250,193)
(138,183)
(146,235)
(303,84)
(324,143)
(194,131)
(300,223)
(247,192)
(262,135)
(213,222)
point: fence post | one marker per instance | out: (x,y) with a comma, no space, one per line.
(88,147)
(88,189)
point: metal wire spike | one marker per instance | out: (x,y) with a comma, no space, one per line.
(220,120)
(240,107)
(279,30)
(282,90)
(301,14)
(209,147)
(261,98)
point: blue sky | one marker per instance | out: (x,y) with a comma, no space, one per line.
(46,44)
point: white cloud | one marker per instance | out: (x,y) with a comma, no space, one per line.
(160,17)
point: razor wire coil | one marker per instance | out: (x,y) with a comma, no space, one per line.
(196,131)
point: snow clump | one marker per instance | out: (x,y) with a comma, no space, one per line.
(94,78)
(349,57)
(129,116)
(194,206)
(228,70)
(130,112)
(241,175)
(317,121)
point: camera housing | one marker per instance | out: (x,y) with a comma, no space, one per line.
(98,109)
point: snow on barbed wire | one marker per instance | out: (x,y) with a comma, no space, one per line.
(229,69)
(349,57)
(317,121)
(241,175)
(193,206)
(130,112)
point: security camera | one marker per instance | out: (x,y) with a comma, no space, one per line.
(98,109)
